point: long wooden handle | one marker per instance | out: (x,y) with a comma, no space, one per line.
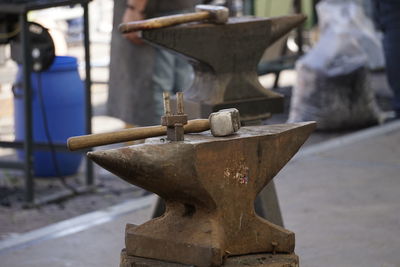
(162,22)
(92,140)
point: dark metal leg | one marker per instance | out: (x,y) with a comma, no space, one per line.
(28,147)
(267,205)
(389,14)
(315,14)
(248,7)
(88,83)
(159,208)
(276,82)
(299,31)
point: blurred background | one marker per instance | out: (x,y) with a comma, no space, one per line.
(332,69)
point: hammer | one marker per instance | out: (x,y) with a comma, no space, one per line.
(222,123)
(215,14)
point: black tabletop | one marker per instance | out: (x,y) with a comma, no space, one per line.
(22,6)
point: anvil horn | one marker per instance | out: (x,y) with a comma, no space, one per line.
(283,25)
(146,166)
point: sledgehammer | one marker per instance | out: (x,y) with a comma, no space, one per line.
(222,123)
(214,14)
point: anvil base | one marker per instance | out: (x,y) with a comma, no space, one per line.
(255,260)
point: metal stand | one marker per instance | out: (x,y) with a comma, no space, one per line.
(285,62)
(28,145)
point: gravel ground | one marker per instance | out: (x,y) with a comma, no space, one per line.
(16,218)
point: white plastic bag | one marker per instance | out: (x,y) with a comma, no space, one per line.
(348,17)
(332,85)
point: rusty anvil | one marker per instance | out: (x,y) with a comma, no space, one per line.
(209,185)
(225,58)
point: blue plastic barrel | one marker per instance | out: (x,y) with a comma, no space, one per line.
(63,97)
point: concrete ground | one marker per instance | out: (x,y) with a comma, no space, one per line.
(98,245)
(340,197)
(342,200)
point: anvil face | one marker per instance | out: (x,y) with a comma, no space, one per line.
(209,185)
(225,59)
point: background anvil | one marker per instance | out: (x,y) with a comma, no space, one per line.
(225,58)
(209,185)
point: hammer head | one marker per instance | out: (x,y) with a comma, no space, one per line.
(218,14)
(224,122)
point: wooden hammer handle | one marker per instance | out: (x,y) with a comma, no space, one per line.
(163,21)
(92,140)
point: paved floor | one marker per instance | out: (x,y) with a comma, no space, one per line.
(99,245)
(341,198)
(343,202)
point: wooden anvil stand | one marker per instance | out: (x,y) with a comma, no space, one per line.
(257,260)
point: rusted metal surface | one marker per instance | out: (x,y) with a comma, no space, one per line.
(209,185)
(225,59)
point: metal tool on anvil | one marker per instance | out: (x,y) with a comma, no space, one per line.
(221,123)
(208,13)
(209,185)
(225,59)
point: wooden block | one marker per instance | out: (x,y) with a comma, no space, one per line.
(256,260)
(264,260)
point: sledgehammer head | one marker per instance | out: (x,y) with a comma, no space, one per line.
(218,14)
(224,122)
